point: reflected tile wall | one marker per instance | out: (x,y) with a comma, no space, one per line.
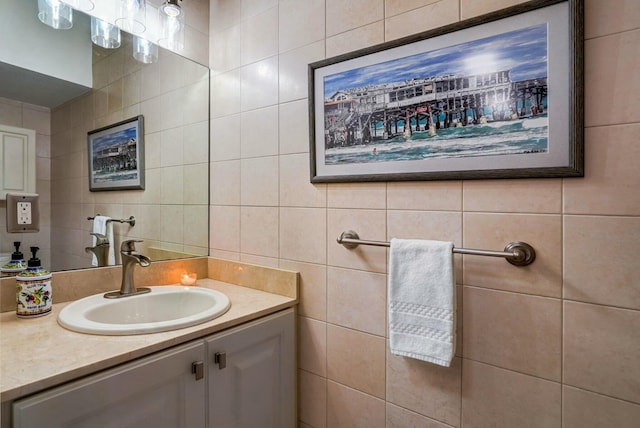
(525,360)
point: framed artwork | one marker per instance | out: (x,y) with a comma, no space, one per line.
(116,156)
(497,96)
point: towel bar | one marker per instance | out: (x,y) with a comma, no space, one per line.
(131,220)
(517,253)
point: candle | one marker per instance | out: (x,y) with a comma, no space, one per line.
(188,278)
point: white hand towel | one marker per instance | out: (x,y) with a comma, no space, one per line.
(422,302)
(104,227)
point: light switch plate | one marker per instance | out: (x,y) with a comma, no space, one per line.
(23,213)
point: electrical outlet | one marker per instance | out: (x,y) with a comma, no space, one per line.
(23,214)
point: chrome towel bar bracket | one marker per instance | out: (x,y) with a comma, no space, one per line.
(131,220)
(517,253)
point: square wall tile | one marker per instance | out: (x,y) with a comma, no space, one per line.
(259,181)
(494,397)
(600,260)
(357,195)
(259,84)
(583,409)
(602,350)
(358,38)
(356,359)
(225,94)
(254,7)
(300,23)
(514,331)
(312,288)
(225,182)
(224,52)
(196,225)
(601,19)
(312,400)
(370,225)
(295,188)
(225,138)
(425,388)
(302,234)
(611,173)
(259,36)
(196,184)
(294,127)
(224,14)
(312,343)
(259,231)
(259,132)
(493,232)
(425,195)
(428,17)
(293,77)
(357,300)
(471,8)
(343,16)
(398,417)
(347,407)
(224,231)
(611,86)
(513,196)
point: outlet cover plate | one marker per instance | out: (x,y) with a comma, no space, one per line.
(13,223)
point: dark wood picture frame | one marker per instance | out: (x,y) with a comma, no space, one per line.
(407,110)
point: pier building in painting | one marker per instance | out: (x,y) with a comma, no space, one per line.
(377,112)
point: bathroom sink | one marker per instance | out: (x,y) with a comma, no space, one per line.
(167,307)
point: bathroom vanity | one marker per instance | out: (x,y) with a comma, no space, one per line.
(236,370)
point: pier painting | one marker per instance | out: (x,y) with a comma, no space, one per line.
(495,96)
(486,97)
(116,158)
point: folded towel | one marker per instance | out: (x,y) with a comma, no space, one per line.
(422,300)
(103,226)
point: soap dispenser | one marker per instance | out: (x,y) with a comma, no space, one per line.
(16,264)
(33,289)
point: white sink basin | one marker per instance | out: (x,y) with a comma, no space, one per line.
(167,307)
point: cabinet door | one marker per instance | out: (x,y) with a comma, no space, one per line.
(252,375)
(17,160)
(157,391)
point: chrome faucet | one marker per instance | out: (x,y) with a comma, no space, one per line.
(129,259)
(100,249)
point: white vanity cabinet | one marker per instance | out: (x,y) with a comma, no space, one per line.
(252,375)
(156,391)
(186,386)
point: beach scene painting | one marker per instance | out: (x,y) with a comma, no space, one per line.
(486,97)
(116,156)
(495,96)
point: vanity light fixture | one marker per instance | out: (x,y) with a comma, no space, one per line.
(132,16)
(171,8)
(144,51)
(83,5)
(104,34)
(55,14)
(171,18)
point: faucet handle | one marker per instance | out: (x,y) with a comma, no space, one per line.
(100,238)
(129,246)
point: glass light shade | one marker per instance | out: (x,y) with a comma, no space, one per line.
(132,16)
(144,51)
(55,14)
(172,31)
(104,34)
(84,5)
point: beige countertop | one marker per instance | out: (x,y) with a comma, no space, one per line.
(36,354)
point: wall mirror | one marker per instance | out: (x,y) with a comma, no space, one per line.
(171,212)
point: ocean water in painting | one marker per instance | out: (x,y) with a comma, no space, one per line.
(520,136)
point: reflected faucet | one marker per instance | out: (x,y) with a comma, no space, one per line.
(100,249)
(129,259)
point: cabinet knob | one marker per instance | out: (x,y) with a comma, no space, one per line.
(220,358)
(197,368)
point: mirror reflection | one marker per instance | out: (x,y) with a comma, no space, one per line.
(171,212)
